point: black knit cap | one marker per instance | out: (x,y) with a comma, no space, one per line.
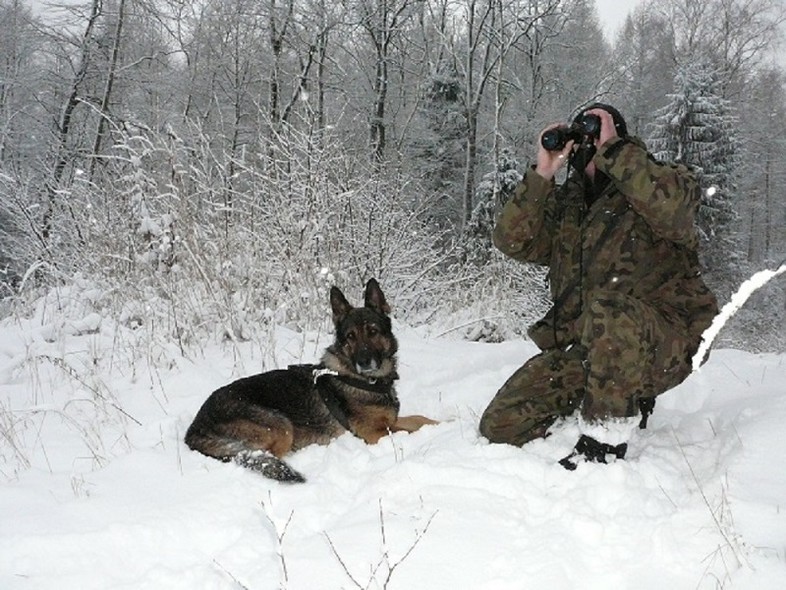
(619,121)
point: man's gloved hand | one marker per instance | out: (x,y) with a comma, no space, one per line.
(593,451)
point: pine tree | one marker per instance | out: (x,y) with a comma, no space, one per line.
(494,187)
(437,149)
(696,128)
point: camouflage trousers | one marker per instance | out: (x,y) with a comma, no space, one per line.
(626,351)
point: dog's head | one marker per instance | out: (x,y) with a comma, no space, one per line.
(364,339)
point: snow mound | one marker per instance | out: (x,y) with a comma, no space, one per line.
(99,491)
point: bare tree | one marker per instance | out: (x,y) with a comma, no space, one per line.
(644,57)
(765,167)
(489,31)
(735,35)
(20,79)
(62,154)
(384,21)
(745,31)
(103,107)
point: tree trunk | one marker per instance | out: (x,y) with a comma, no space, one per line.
(64,125)
(110,80)
(321,58)
(378,116)
(767,210)
(469,166)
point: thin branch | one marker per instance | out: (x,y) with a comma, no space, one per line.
(341,561)
(227,572)
(721,529)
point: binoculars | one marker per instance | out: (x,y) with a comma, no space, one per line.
(555,139)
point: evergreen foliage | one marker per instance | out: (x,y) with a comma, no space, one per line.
(436,147)
(520,290)
(494,188)
(697,128)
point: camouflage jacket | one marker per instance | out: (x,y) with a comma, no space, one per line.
(637,237)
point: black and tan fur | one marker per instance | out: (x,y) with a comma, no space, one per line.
(257,420)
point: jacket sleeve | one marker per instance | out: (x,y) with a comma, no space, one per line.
(526,223)
(666,196)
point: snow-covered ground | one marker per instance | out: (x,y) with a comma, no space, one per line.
(97,490)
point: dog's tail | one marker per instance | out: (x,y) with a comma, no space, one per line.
(269,465)
(228,449)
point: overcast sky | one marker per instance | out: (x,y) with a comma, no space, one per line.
(612,14)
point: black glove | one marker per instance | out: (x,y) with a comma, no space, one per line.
(647,407)
(593,451)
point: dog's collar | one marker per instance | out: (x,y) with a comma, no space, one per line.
(372,384)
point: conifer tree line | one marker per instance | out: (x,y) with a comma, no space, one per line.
(232,158)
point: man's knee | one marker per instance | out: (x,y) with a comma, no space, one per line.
(504,416)
(490,429)
(513,428)
(547,386)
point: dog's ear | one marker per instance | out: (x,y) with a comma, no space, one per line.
(339,305)
(375,298)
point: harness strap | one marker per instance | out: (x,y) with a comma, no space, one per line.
(333,402)
(330,394)
(317,373)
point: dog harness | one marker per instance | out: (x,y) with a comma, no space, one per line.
(330,394)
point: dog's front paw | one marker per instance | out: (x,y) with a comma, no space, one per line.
(411,423)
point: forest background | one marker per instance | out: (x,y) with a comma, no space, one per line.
(207,169)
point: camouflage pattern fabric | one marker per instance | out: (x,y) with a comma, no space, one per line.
(629,303)
(633,352)
(626,352)
(550,385)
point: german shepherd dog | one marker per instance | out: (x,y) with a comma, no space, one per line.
(256,420)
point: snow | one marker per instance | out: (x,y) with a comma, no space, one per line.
(747,289)
(99,492)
